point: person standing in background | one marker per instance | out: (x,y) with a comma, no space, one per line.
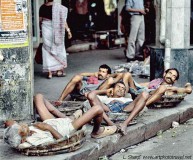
(137,29)
(53,24)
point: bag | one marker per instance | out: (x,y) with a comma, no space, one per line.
(38,56)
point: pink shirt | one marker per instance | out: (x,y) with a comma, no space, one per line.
(154,84)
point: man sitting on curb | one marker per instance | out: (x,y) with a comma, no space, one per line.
(157,87)
(115,101)
(86,82)
(53,128)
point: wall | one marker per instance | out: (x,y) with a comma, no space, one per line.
(16,69)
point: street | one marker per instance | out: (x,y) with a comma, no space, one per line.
(175,143)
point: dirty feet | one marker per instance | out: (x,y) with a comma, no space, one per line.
(122,129)
(188,88)
(49,75)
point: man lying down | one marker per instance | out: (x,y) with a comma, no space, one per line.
(55,125)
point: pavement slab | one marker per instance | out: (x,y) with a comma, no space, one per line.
(149,124)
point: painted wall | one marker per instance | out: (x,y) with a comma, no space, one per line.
(16,66)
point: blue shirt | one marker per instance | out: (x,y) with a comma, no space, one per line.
(134,4)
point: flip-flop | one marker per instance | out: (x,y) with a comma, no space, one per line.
(61,73)
(108,130)
(77,114)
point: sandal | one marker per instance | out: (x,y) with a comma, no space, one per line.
(77,114)
(108,130)
(49,76)
(61,73)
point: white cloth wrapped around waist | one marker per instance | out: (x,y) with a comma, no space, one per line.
(62,125)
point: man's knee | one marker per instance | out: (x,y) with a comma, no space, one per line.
(145,95)
(76,79)
(110,81)
(38,95)
(91,96)
(98,109)
(127,75)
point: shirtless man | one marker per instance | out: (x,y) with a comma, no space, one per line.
(157,87)
(115,101)
(53,128)
(86,82)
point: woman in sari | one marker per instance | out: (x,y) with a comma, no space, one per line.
(53,24)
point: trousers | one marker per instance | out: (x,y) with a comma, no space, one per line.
(136,36)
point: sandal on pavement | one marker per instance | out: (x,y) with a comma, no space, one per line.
(77,114)
(49,76)
(108,130)
(61,73)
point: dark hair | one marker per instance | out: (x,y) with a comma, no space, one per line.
(178,74)
(114,84)
(106,67)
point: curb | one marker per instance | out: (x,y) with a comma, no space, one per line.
(147,127)
(149,124)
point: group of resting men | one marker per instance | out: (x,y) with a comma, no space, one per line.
(105,92)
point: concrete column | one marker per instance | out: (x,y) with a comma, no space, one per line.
(177,23)
(16,62)
(177,32)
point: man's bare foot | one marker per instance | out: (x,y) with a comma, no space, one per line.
(188,88)
(122,129)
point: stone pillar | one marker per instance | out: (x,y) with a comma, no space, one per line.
(16,62)
(177,33)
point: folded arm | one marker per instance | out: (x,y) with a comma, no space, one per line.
(47,127)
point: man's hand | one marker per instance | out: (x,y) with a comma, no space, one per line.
(47,127)
(142,12)
(110,92)
(42,126)
(69,35)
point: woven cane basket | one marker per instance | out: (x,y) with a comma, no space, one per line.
(69,107)
(169,100)
(63,145)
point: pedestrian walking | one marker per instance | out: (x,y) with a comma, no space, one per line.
(53,24)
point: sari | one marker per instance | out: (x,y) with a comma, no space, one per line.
(53,34)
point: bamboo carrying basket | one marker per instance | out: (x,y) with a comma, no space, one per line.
(69,107)
(169,100)
(63,145)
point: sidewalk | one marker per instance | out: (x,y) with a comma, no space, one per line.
(148,124)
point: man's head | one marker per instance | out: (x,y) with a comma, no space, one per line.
(104,71)
(15,133)
(119,89)
(171,75)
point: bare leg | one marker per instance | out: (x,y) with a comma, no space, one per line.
(137,105)
(41,108)
(156,95)
(40,101)
(94,101)
(76,80)
(96,113)
(107,84)
(128,80)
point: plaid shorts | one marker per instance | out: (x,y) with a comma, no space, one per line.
(117,107)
